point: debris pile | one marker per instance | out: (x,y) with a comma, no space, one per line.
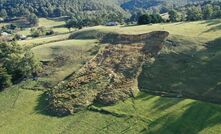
(107,78)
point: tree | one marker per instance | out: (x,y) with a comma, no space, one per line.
(40,31)
(144,19)
(71,23)
(33,19)
(29,66)
(147,19)
(156,18)
(208,11)
(194,13)
(5,79)
(173,15)
(3,13)
(58,12)
(217,11)
(18,62)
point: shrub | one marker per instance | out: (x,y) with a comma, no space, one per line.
(5,79)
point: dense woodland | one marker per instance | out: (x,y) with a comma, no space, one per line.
(98,11)
(161,4)
(190,12)
(79,9)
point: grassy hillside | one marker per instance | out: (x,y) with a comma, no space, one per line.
(148,114)
(60,59)
(192,47)
(202,30)
(69,56)
(56,24)
(42,40)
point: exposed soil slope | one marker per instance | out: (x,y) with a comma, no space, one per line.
(110,76)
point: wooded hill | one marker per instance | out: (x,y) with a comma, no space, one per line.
(105,9)
(114,10)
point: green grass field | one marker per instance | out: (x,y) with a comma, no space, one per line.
(43,40)
(73,54)
(207,30)
(23,111)
(50,23)
(56,25)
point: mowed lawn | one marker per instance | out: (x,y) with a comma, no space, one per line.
(43,40)
(22,111)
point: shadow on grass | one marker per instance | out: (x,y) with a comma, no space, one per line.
(197,76)
(164,103)
(216,26)
(43,106)
(197,117)
(211,22)
(214,29)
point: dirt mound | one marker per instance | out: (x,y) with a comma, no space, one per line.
(107,78)
(114,38)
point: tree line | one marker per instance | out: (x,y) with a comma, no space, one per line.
(79,9)
(204,11)
(194,12)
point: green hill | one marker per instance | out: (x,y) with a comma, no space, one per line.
(23,111)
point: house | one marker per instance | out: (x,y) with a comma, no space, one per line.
(5,34)
(23,37)
(112,23)
(2,20)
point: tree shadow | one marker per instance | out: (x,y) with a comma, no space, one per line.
(164,103)
(196,76)
(144,96)
(197,117)
(42,106)
(211,22)
(216,25)
(213,29)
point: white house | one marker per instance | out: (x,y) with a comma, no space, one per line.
(5,34)
(112,23)
(2,19)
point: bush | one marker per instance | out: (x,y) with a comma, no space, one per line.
(41,31)
(5,79)
(147,19)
